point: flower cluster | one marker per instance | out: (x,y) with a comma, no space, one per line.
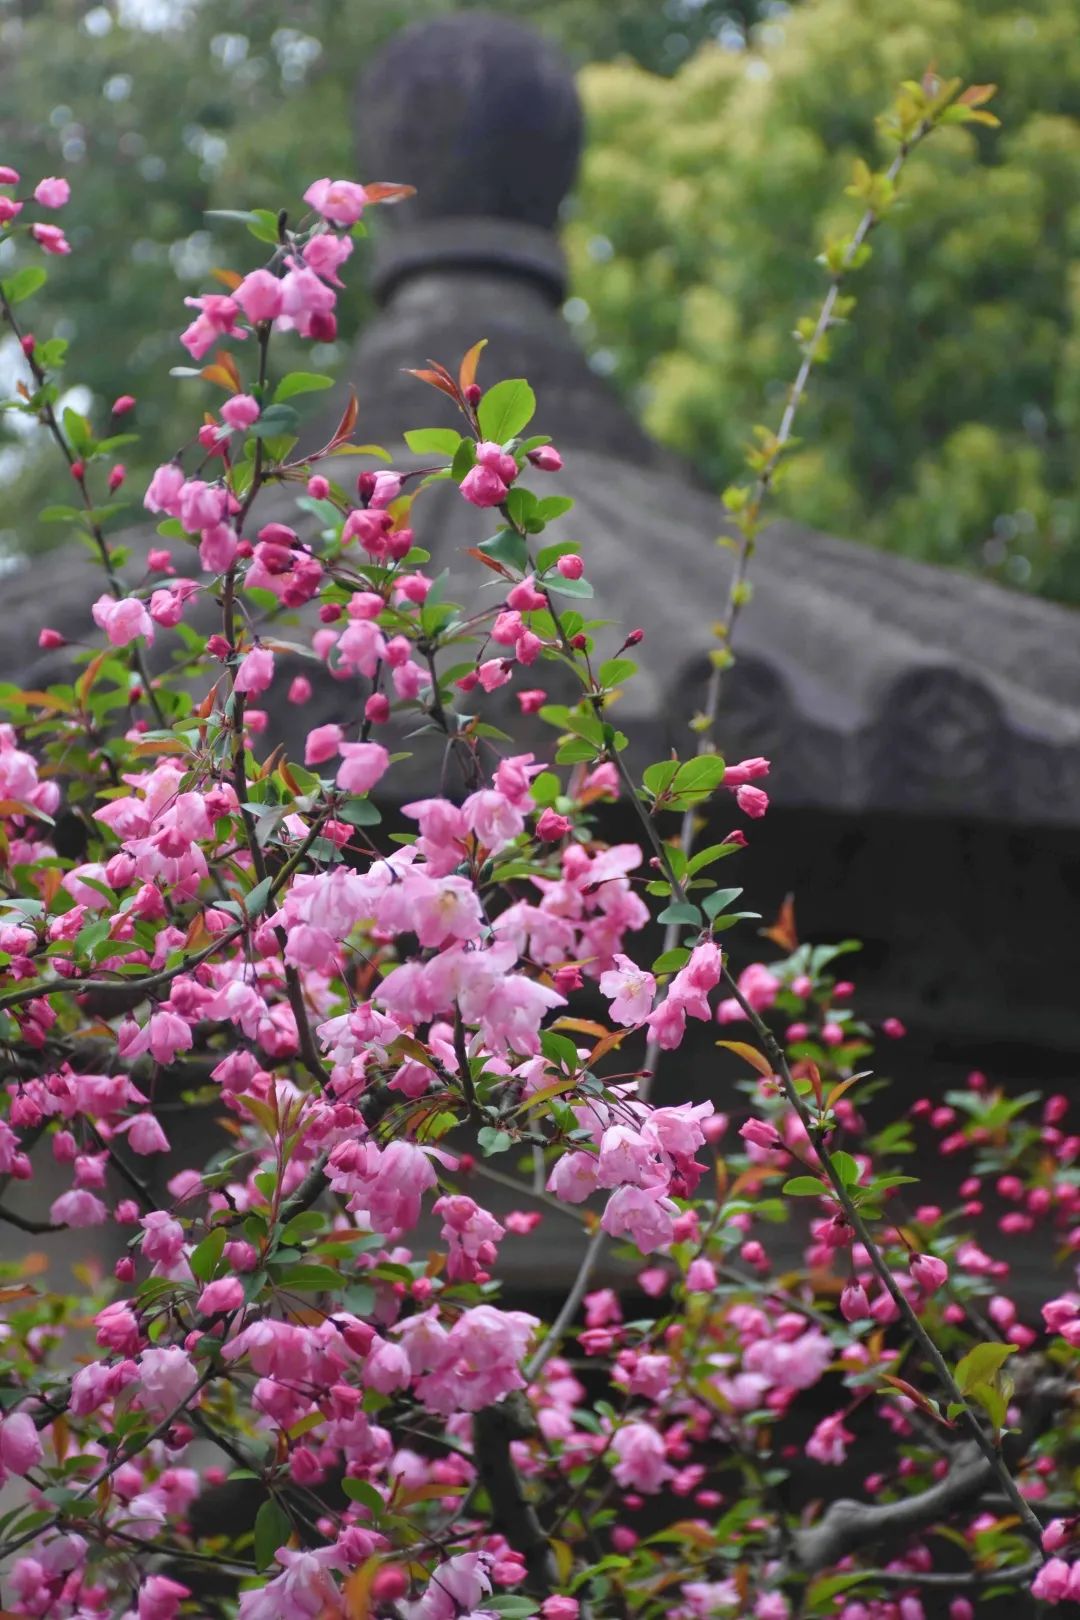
(413,1028)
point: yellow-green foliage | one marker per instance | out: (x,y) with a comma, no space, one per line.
(945,424)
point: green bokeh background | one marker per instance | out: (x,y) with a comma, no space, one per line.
(721,137)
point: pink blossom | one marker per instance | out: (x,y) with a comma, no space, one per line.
(630,990)
(928,1272)
(482,487)
(166,1378)
(307,305)
(124,620)
(339,201)
(240,411)
(217,317)
(1052,1581)
(326,253)
(322,744)
(643,1214)
(51,238)
(78,1208)
(830,1440)
(457,1588)
(364,764)
(752,801)
(701,1276)
(20,1446)
(304,1590)
(558,1607)
(255,671)
(52,193)
(260,297)
(642,1463)
(160,1597)
(474,1365)
(224,1294)
(854,1305)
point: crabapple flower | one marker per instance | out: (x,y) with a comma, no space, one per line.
(52,193)
(829,1441)
(255,671)
(928,1272)
(642,1461)
(340,201)
(260,296)
(304,1590)
(240,411)
(643,1214)
(166,1378)
(123,621)
(20,1445)
(363,765)
(51,238)
(630,990)
(482,487)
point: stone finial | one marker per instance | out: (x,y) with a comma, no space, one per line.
(482,116)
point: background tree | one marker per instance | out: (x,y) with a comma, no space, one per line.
(172,109)
(948,433)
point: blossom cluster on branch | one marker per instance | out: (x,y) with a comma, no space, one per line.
(414,1047)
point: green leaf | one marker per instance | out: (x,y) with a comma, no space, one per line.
(464,459)
(568,587)
(433,441)
(659,777)
(358,1490)
(981,1365)
(511,1606)
(706,857)
(301,382)
(492,1141)
(719,901)
(681,912)
(550,507)
(359,812)
(255,900)
(275,420)
(804,1187)
(560,1050)
(309,1279)
(546,788)
(273,1527)
(78,432)
(699,777)
(507,547)
(205,1255)
(521,504)
(846,1168)
(616,670)
(60,514)
(671,961)
(505,409)
(24,283)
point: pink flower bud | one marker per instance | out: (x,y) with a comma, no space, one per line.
(547,458)
(571,566)
(52,193)
(854,1304)
(929,1272)
(551,826)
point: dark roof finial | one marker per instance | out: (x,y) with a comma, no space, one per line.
(481,115)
